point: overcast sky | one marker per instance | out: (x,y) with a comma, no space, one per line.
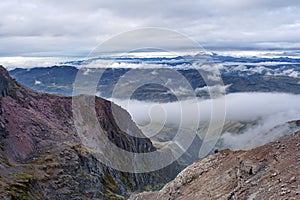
(61,28)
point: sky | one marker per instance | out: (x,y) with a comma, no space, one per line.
(74,28)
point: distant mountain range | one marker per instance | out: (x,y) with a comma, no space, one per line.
(242,74)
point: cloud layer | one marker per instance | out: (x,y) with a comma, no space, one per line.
(76,27)
(239,107)
(269,111)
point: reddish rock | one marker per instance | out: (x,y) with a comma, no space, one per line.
(253,174)
(42,157)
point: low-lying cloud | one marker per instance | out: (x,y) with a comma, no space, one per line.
(239,107)
(270,111)
(268,128)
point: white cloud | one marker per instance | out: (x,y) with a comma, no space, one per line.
(216,89)
(239,106)
(267,114)
(75,27)
(269,128)
(269,111)
(36,82)
(30,62)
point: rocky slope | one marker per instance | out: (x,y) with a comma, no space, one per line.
(41,156)
(271,171)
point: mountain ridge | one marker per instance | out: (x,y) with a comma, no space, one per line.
(42,157)
(236,77)
(270,171)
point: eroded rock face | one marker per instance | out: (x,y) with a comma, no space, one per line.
(6,83)
(267,172)
(42,157)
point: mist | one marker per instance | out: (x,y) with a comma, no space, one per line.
(270,111)
(268,129)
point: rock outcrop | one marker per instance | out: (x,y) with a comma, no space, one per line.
(6,83)
(41,155)
(271,171)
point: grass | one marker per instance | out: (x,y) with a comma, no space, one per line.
(21,187)
(22,176)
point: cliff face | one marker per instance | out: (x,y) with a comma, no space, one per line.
(41,156)
(267,172)
(6,83)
